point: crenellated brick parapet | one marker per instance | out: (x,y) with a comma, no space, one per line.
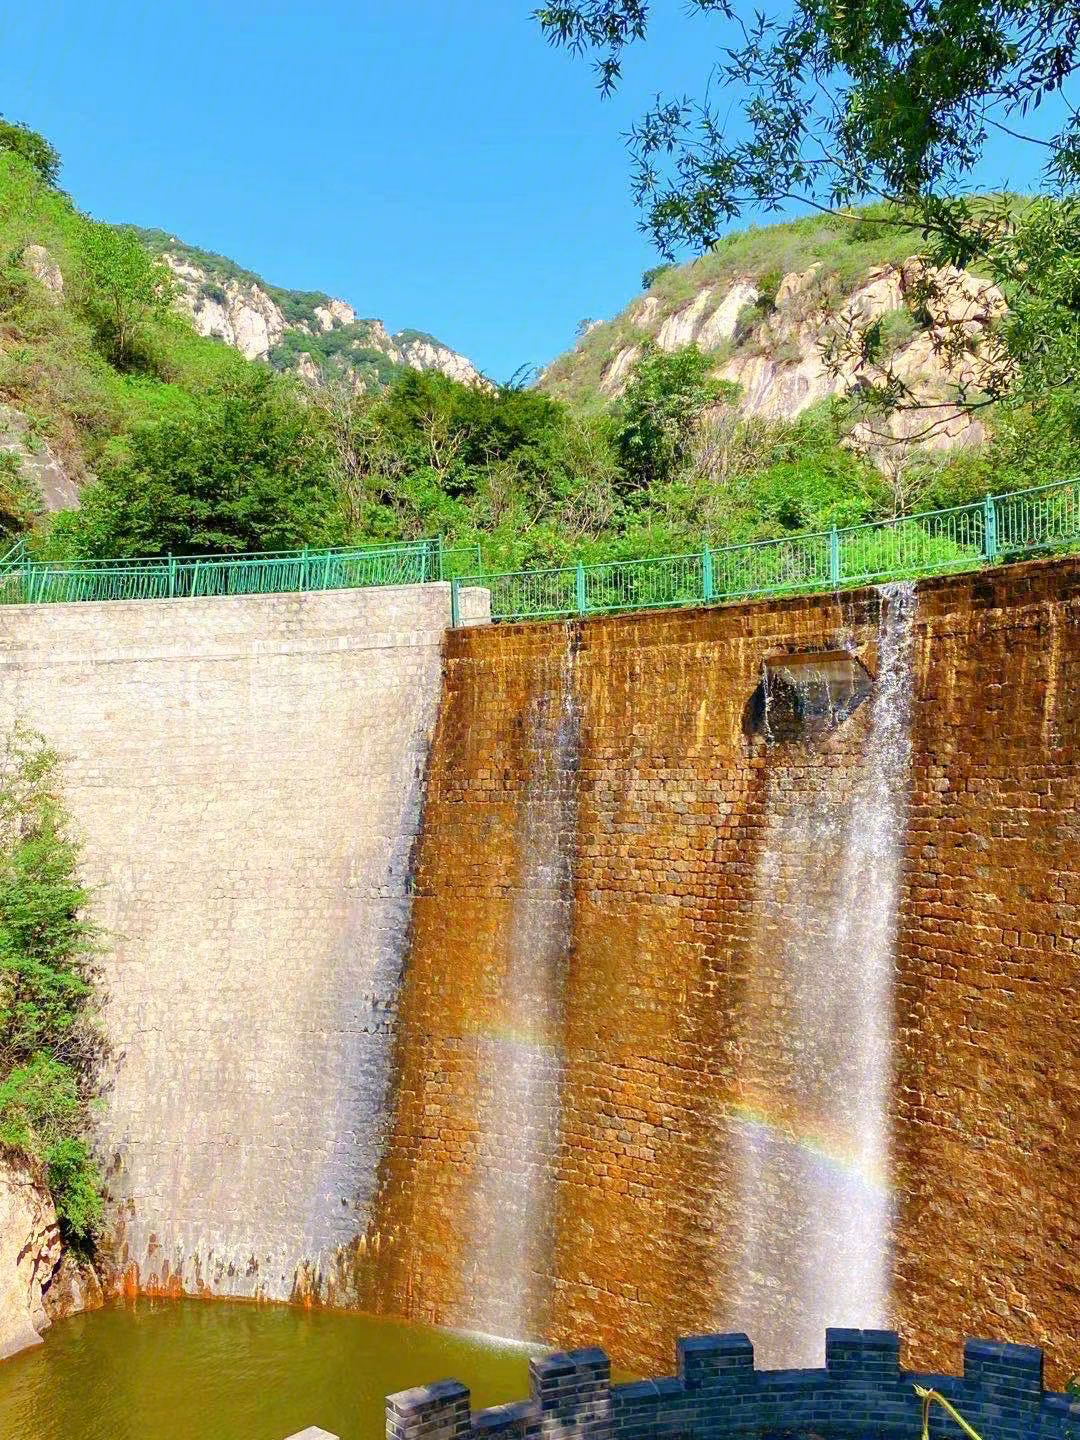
(861,1391)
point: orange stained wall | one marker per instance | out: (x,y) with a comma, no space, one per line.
(641,1239)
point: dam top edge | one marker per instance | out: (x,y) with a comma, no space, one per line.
(1012,586)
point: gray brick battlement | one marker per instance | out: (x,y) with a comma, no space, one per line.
(861,1391)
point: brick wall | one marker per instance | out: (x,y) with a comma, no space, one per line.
(665,952)
(717,1392)
(246,776)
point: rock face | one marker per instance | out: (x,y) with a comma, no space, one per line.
(75,1287)
(421,353)
(265,323)
(37,260)
(243,316)
(37,463)
(807,336)
(30,1255)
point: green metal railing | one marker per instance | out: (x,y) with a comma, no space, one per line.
(27,581)
(1000,527)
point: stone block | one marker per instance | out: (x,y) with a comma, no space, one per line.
(1015,1371)
(710,1360)
(852,1354)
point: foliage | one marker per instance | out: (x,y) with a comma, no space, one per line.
(43,158)
(121,288)
(52,366)
(246,471)
(330,347)
(661,411)
(653,274)
(50,1043)
(18,501)
(893,98)
(198,450)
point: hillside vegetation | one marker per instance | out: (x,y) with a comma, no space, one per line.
(658,431)
(305,332)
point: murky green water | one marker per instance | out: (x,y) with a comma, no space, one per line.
(214,1370)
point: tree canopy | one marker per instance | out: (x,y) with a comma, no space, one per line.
(840,102)
(42,157)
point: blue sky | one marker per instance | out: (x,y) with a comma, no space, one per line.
(431,161)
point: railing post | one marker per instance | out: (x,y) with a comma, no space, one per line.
(990,538)
(707,573)
(834,557)
(172,577)
(304,569)
(579,587)
(455,604)
(441,574)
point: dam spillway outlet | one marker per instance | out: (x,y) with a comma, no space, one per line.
(806,694)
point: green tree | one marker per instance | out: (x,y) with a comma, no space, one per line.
(50,1042)
(248,469)
(121,287)
(886,98)
(34,149)
(661,413)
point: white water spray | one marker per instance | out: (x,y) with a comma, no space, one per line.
(520,1073)
(812,1128)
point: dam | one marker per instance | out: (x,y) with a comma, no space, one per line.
(601,980)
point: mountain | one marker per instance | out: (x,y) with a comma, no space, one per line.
(309,332)
(797,312)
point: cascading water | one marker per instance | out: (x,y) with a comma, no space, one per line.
(811,1130)
(520,1077)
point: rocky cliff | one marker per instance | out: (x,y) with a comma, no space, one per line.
(30,1255)
(796,313)
(311,333)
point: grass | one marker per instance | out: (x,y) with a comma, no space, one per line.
(50,366)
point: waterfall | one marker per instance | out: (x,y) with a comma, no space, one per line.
(520,1071)
(811,1129)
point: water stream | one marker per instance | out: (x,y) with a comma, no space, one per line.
(811,1129)
(521,1062)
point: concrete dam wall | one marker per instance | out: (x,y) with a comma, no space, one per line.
(600,982)
(246,776)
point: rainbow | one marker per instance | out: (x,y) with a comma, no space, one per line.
(828,1150)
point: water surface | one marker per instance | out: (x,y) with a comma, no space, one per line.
(220,1370)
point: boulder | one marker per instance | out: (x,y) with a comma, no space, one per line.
(39,263)
(30,1254)
(37,462)
(75,1287)
(613,380)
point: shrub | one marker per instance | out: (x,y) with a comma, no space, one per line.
(245,469)
(120,288)
(650,276)
(42,157)
(660,412)
(50,1042)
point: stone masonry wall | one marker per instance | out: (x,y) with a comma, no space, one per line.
(246,777)
(642,1240)
(718,1393)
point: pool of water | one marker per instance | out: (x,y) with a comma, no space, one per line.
(215,1370)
